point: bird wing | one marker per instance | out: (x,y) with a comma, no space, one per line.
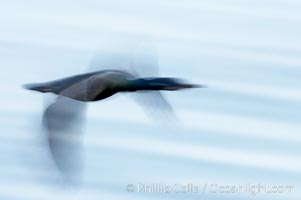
(139,58)
(155,105)
(135,56)
(63,123)
(63,119)
(145,63)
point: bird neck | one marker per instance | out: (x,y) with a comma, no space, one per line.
(146,84)
(136,84)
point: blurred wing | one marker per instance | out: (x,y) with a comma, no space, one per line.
(111,59)
(138,57)
(144,59)
(156,106)
(63,123)
(145,64)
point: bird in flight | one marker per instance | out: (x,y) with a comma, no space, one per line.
(63,118)
(103,84)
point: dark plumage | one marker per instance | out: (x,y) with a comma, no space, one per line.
(103,84)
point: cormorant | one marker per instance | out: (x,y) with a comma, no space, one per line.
(99,85)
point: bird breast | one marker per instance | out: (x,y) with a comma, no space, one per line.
(87,90)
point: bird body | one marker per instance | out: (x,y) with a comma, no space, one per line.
(99,85)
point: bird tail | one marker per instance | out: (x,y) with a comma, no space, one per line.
(40,87)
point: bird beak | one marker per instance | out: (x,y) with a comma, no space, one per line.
(196,86)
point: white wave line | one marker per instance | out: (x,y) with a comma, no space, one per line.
(242,126)
(220,155)
(134,25)
(275,92)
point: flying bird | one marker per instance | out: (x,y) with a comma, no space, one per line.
(103,84)
(109,73)
(63,115)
